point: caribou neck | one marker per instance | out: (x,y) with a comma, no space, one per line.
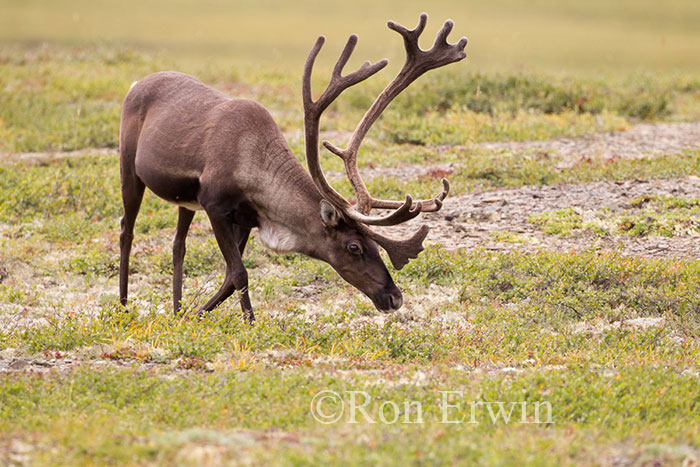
(288,205)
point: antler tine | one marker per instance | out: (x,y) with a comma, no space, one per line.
(441,38)
(428,205)
(405,212)
(345,56)
(410,36)
(308,67)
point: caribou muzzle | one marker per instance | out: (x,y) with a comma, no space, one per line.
(388,299)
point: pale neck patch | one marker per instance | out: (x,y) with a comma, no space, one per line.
(277,237)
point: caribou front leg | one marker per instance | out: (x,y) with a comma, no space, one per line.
(184,219)
(236,274)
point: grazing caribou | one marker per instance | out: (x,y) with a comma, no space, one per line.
(202,150)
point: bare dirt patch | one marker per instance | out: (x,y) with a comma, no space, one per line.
(644,140)
(641,140)
(473,220)
(47,156)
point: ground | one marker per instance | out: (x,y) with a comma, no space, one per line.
(560,274)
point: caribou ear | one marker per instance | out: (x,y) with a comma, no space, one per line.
(329,215)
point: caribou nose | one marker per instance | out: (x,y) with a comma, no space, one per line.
(388,300)
(395,301)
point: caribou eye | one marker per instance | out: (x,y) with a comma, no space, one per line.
(355,248)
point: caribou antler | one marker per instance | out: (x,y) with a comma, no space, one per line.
(417,62)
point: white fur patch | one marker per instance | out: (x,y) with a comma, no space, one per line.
(191,206)
(277,238)
(132,85)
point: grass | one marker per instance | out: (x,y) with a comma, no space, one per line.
(550,327)
(57,99)
(84,191)
(237,428)
(609,341)
(648,215)
(523,294)
(585,331)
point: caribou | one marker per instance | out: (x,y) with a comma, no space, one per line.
(200,149)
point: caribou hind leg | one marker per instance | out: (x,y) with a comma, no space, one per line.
(132,194)
(230,239)
(184,219)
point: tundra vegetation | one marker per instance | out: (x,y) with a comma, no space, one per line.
(568,305)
